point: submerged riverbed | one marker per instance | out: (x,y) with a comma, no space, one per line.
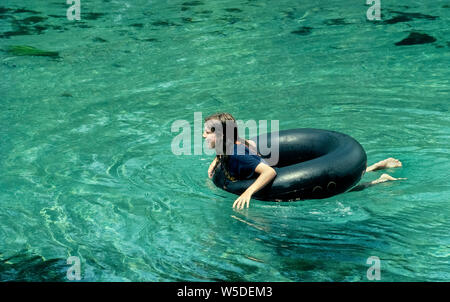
(86,160)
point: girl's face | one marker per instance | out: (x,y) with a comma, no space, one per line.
(209,134)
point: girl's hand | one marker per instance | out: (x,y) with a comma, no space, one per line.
(210,172)
(243,200)
(212,168)
(266,175)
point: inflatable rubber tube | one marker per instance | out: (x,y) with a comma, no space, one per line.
(313,164)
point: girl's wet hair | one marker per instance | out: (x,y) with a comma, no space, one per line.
(227,139)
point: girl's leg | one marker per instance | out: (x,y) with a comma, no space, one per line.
(384,164)
(383,178)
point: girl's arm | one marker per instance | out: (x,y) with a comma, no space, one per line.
(266,174)
(211,168)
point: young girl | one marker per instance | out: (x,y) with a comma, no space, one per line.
(240,159)
(238,156)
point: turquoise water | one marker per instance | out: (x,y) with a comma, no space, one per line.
(86,161)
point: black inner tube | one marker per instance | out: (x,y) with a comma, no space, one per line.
(313,164)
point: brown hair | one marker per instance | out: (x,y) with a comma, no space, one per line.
(228,139)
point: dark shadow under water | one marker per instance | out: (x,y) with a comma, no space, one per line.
(26,267)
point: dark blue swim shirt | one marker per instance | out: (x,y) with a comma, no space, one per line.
(243,162)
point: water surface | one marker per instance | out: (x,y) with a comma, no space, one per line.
(85,153)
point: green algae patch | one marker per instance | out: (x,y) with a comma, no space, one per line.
(20,50)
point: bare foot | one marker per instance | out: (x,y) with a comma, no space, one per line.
(385,177)
(385,164)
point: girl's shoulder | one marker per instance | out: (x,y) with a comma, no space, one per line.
(241,149)
(252,145)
